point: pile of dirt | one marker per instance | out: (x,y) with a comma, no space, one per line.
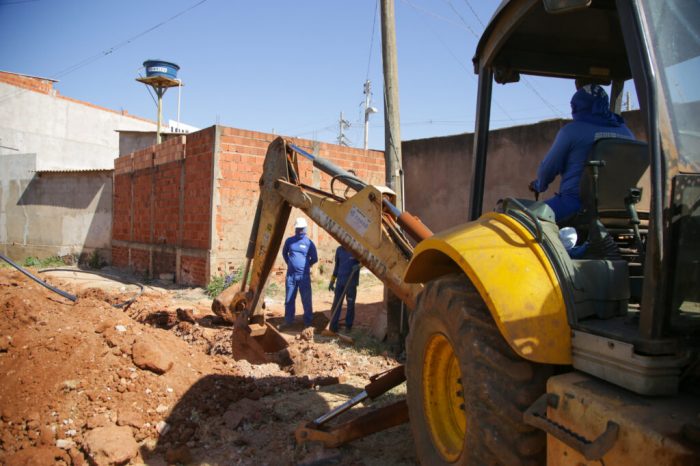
(87,383)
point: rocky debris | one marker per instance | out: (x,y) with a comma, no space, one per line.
(5,343)
(65,444)
(130,417)
(110,445)
(178,455)
(97,420)
(37,455)
(185,315)
(69,385)
(307,334)
(116,338)
(148,354)
(162,427)
(317,455)
(68,374)
(242,410)
(161,319)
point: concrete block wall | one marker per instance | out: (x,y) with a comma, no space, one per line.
(47,214)
(64,133)
(438,171)
(186,206)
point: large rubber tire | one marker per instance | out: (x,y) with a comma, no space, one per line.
(467,389)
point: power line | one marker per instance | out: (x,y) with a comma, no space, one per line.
(371,41)
(530,86)
(433,14)
(449,2)
(116,47)
(453,55)
(108,51)
(526,81)
(474,13)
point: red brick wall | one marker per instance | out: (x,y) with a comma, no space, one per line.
(163,197)
(198,182)
(194,270)
(120,256)
(240,159)
(121,205)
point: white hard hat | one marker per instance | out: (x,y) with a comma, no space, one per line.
(300,223)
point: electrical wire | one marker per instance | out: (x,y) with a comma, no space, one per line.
(124,43)
(474,13)
(86,61)
(454,56)
(435,15)
(525,79)
(371,41)
(449,2)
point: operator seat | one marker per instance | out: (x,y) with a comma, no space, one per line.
(623,164)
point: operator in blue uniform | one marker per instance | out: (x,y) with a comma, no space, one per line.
(593,120)
(346,273)
(299,252)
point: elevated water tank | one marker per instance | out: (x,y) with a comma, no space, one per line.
(161,68)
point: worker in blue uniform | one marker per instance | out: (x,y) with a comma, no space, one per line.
(345,278)
(593,120)
(299,253)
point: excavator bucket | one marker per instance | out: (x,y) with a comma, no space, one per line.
(259,344)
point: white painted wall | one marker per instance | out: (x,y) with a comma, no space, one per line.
(62,133)
(53,213)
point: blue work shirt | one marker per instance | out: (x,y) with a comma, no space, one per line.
(299,253)
(344,264)
(568,154)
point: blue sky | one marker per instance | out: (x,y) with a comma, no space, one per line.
(271,65)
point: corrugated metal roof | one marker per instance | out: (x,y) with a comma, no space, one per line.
(74,170)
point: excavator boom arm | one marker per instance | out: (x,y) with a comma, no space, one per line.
(365,223)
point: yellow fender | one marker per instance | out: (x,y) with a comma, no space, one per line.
(513,276)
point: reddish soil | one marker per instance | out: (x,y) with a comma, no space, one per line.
(160,375)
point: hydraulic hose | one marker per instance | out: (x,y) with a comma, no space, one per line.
(65,294)
(38,280)
(104,275)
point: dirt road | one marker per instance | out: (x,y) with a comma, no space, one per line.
(156,383)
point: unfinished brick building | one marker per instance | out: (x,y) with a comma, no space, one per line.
(186,206)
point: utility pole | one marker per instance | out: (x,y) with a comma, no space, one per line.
(396,325)
(368,110)
(628,106)
(392,124)
(343,124)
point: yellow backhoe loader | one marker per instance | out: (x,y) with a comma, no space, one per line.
(517,353)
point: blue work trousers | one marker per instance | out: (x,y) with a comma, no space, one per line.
(350,296)
(564,206)
(302,283)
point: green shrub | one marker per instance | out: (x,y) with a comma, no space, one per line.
(53,261)
(95,261)
(220,282)
(31,261)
